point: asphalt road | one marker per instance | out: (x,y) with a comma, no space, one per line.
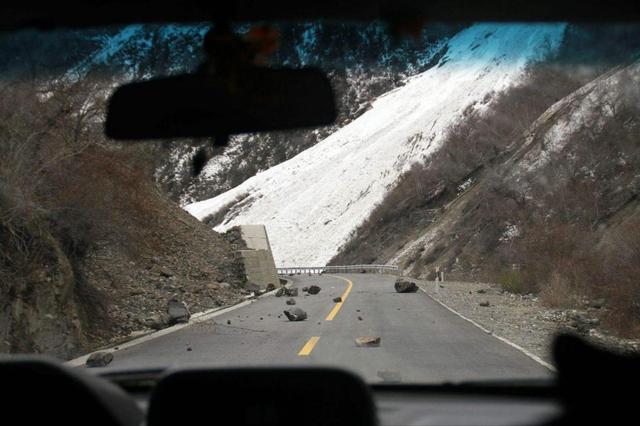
(420,340)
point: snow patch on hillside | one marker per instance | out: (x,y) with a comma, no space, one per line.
(589,108)
(311,203)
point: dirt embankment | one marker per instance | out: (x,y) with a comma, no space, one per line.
(90,249)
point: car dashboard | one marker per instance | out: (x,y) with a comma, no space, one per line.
(464,404)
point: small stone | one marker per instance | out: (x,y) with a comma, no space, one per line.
(305,288)
(99,359)
(484,303)
(390,376)
(359,318)
(367,341)
(597,304)
(228,322)
(166,273)
(481,291)
(337,299)
(189,349)
(290,302)
(281,292)
(156,322)
(292,292)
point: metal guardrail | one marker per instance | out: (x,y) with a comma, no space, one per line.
(347,269)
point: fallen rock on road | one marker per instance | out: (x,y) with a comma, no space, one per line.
(295,314)
(404,286)
(283,291)
(337,299)
(99,359)
(314,289)
(368,341)
(178,312)
(291,302)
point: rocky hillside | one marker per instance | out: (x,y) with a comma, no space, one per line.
(90,249)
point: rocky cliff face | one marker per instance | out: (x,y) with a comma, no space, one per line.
(39,311)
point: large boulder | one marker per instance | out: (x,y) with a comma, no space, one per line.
(99,359)
(177,312)
(405,286)
(295,314)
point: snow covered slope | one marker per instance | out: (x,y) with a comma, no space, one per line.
(311,203)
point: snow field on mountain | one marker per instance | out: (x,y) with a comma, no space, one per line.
(312,202)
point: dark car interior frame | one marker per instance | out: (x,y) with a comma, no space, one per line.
(591,384)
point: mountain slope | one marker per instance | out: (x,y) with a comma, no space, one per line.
(311,203)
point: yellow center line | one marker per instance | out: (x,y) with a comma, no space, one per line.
(338,305)
(308,347)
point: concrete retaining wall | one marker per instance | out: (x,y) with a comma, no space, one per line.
(258,260)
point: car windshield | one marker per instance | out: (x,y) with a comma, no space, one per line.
(476,196)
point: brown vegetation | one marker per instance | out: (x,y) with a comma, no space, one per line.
(84,232)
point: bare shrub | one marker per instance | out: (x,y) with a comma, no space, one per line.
(558,292)
(619,267)
(62,192)
(513,282)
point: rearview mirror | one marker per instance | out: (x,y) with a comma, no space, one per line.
(198,105)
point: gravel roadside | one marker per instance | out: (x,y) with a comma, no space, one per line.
(522,319)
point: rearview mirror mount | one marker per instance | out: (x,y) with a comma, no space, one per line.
(254,99)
